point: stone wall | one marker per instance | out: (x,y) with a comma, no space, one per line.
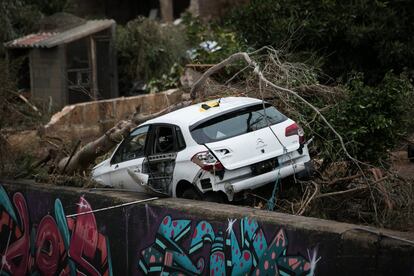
(49,229)
(91,119)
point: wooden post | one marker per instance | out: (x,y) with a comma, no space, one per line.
(113,63)
(94,68)
(167,12)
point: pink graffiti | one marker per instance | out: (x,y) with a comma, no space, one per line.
(86,240)
(47,254)
(49,245)
(16,257)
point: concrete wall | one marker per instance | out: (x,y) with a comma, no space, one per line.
(48,74)
(180,237)
(93,118)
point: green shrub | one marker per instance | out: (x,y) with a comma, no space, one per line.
(48,7)
(147,50)
(222,41)
(372,119)
(16,19)
(198,32)
(367,36)
(167,81)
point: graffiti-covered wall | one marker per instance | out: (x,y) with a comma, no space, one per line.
(50,243)
(47,231)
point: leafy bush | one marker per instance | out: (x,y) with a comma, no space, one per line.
(211,43)
(221,42)
(372,118)
(20,17)
(16,18)
(367,36)
(167,81)
(147,50)
(48,7)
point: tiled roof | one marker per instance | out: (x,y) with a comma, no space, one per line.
(49,39)
(29,40)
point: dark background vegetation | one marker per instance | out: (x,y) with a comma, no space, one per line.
(363,49)
(372,37)
(365,46)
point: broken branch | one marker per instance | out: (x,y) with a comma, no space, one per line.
(82,159)
(23,98)
(245,57)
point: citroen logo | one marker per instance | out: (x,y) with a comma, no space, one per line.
(260,144)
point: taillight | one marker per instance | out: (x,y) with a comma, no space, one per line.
(207,161)
(294,129)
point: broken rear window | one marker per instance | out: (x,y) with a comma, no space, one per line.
(235,123)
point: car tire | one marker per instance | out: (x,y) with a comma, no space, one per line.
(410,151)
(214,197)
(191,193)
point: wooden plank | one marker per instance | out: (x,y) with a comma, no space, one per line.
(94,68)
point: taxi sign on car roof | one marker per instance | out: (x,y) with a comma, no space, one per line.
(207,106)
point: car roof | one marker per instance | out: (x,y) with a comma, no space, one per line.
(192,114)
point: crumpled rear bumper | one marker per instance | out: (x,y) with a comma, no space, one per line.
(295,164)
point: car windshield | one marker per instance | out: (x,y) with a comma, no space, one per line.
(235,123)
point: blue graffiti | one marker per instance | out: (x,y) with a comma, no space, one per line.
(252,256)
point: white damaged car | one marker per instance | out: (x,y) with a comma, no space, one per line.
(214,151)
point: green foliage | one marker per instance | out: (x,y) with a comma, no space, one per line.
(20,17)
(211,43)
(372,119)
(10,21)
(367,36)
(198,32)
(155,54)
(147,50)
(167,81)
(48,7)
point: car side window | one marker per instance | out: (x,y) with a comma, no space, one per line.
(180,139)
(164,140)
(132,147)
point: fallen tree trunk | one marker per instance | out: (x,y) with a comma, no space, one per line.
(82,159)
(87,155)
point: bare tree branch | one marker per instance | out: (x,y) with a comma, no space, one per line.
(243,56)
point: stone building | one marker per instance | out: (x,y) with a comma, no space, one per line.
(69,64)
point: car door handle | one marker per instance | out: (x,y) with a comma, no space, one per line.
(116,166)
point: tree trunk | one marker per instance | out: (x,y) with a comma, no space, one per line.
(82,159)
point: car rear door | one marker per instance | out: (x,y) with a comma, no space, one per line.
(243,137)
